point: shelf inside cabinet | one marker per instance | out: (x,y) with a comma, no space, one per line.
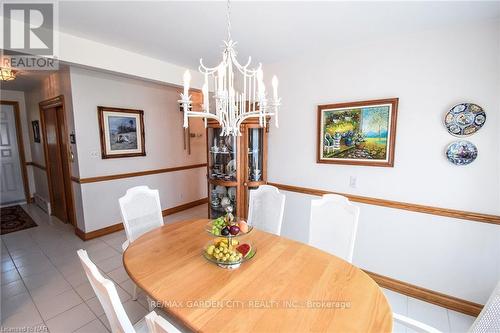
(255,184)
(223,182)
(223,152)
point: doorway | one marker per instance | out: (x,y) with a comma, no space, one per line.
(14,180)
(57,158)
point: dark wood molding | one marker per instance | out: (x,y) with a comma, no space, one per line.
(453,213)
(39,166)
(99,232)
(427,295)
(59,102)
(119,226)
(391,146)
(180,208)
(20,144)
(135,174)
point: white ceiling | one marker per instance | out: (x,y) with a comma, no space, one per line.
(182,32)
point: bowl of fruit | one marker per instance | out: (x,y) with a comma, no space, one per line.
(228,227)
(228,252)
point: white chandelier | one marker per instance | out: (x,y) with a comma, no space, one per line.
(232,107)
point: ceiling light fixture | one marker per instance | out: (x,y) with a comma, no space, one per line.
(232,107)
(7,74)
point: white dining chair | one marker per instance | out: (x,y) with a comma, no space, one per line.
(488,320)
(413,324)
(489,317)
(158,324)
(106,292)
(141,212)
(266,209)
(333,225)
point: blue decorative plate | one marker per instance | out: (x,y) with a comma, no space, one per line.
(465,119)
(461,152)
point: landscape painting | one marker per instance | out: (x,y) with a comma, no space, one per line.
(122,132)
(358,133)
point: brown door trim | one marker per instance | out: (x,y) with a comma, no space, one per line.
(58,102)
(20,143)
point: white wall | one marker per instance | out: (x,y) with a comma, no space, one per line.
(92,54)
(163,139)
(52,86)
(429,72)
(18,96)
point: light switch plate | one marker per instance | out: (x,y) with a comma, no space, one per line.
(353,181)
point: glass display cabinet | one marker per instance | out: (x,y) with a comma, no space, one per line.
(235,166)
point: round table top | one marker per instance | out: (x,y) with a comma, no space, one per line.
(287,287)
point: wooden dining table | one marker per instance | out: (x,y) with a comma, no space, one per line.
(287,286)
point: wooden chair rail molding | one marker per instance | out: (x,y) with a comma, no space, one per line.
(458,214)
(430,296)
(135,174)
(39,166)
(119,226)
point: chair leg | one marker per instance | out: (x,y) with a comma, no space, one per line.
(134,296)
(151,304)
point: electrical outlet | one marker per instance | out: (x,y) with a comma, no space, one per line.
(353,180)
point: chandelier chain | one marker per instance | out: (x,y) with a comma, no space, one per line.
(228,20)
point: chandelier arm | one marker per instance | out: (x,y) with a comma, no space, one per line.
(208,70)
(243,69)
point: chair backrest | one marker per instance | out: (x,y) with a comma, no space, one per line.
(333,225)
(266,209)
(489,317)
(107,295)
(158,324)
(141,211)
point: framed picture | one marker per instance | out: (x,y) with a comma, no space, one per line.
(358,133)
(121,131)
(36,130)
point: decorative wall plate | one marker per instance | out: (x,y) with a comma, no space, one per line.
(461,152)
(464,119)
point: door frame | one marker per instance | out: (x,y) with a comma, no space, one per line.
(58,102)
(20,144)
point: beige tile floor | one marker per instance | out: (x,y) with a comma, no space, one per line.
(43,283)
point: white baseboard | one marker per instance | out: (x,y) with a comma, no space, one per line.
(42,203)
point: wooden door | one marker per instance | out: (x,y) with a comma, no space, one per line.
(12,182)
(55,156)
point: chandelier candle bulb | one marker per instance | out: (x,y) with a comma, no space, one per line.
(186,79)
(220,77)
(205,97)
(260,81)
(275,87)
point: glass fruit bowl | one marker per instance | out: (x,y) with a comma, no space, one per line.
(237,228)
(228,252)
